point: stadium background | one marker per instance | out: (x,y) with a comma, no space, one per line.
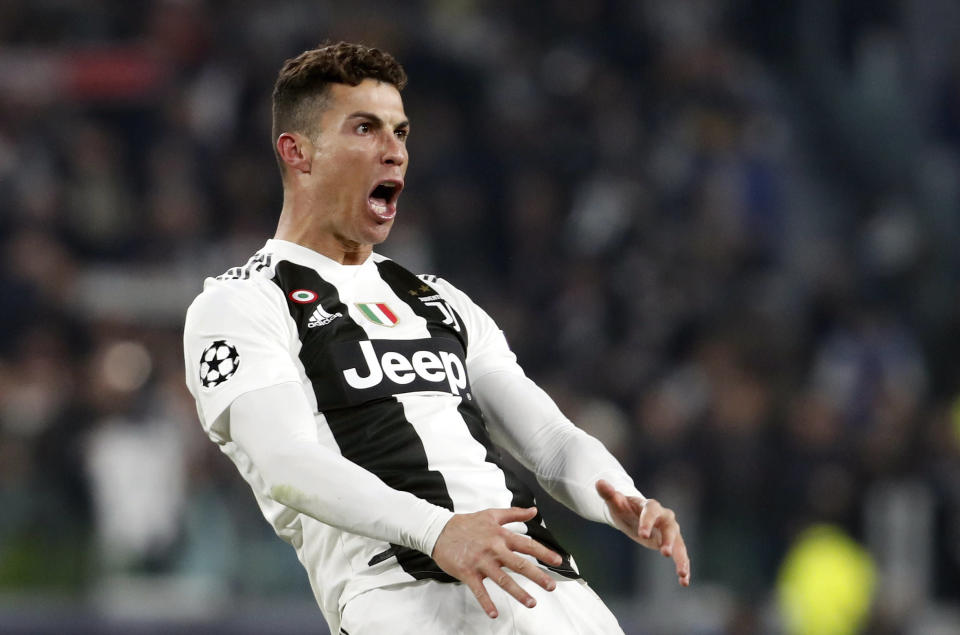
(720,232)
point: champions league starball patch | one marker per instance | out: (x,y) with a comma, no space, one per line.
(218,363)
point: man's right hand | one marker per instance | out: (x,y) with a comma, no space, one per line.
(475,546)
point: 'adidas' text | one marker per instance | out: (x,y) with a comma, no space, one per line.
(322,318)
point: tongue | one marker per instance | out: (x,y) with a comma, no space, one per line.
(380,207)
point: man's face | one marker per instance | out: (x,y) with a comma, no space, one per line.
(358,163)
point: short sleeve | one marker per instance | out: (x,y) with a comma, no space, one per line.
(487,348)
(237,338)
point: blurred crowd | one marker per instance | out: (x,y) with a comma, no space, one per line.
(719,232)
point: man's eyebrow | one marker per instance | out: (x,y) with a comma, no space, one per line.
(375,120)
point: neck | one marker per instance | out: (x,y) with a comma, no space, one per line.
(298,225)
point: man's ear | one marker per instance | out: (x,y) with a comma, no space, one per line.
(295,150)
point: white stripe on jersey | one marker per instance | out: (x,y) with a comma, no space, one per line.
(446,439)
(449,447)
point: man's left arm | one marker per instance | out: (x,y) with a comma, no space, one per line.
(574,467)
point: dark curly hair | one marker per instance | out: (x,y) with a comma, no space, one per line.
(302,85)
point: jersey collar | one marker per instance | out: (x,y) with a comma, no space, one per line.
(286,250)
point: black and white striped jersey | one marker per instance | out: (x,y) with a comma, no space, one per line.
(385,359)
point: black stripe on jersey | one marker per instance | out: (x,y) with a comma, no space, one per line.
(410,288)
(376,369)
(442,320)
(375,434)
(291,277)
(522,495)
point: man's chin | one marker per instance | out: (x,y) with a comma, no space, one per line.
(379,233)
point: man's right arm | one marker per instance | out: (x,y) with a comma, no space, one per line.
(275,428)
(259,405)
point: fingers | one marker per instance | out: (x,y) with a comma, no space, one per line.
(524,567)
(649,523)
(476,585)
(650,516)
(525,544)
(682,561)
(669,532)
(513,514)
(659,525)
(502,579)
(532,572)
(476,546)
(677,548)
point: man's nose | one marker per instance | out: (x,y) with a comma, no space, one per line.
(395,152)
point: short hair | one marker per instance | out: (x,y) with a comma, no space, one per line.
(302,86)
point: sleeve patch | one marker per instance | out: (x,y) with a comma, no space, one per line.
(218,363)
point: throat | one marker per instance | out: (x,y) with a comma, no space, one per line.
(333,245)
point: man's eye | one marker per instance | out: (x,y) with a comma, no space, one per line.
(363,128)
(402,134)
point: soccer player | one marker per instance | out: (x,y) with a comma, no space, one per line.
(367,406)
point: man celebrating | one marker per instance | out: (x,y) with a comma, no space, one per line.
(366,406)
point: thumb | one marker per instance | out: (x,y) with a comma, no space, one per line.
(606,490)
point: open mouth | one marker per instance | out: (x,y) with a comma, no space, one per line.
(383,198)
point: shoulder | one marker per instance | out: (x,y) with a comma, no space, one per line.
(245,290)
(260,262)
(448,291)
(442,285)
(434,288)
(431,279)
(393,270)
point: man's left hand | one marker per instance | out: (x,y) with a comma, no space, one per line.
(649,523)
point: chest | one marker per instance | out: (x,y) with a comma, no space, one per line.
(374,336)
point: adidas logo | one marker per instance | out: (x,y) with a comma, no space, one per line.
(322,318)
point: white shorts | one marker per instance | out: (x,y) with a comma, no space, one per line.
(427,607)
